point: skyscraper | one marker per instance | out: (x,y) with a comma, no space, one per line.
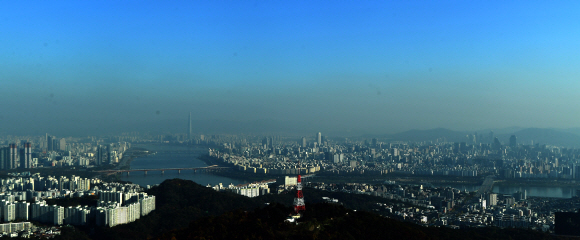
(100,155)
(49,143)
(189,127)
(496,144)
(513,141)
(319,138)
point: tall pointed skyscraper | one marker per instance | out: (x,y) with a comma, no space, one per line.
(189,131)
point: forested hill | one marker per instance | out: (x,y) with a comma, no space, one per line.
(178,202)
(330,221)
(186,210)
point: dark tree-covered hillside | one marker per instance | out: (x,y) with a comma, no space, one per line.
(186,210)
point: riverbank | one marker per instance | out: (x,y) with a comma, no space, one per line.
(404,179)
(328,177)
(536,183)
(124,164)
(235,174)
(129,155)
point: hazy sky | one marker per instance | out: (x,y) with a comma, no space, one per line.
(382,66)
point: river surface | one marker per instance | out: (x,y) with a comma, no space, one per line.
(531,191)
(173,156)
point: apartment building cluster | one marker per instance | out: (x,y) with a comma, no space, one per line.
(38,187)
(117,208)
(249,189)
(25,198)
(11,229)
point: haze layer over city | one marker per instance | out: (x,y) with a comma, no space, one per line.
(346,69)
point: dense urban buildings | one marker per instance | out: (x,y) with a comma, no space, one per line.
(24,198)
(479,156)
(470,158)
(475,158)
(48,152)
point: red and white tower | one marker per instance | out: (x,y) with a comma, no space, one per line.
(299,199)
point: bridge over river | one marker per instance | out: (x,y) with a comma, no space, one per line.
(162,170)
(487,185)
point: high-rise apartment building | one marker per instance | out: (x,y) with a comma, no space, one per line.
(8,211)
(9,157)
(492,199)
(22,210)
(100,155)
(62,144)
(4,157)
(26,155)
(109,153)
(13,157)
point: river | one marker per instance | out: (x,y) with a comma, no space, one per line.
(173,156)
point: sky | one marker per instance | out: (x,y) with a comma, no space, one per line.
(96,67)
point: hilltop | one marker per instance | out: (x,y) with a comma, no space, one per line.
(186,210)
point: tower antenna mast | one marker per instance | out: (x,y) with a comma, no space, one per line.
(299,199)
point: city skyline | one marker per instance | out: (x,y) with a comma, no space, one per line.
(417,173)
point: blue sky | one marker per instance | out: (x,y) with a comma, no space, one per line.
(366,66)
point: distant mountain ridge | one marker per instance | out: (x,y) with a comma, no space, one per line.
(569,137)
(564,138)
(430,135)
